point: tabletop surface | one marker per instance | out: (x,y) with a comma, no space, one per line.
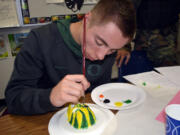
(23,125)
(140,120)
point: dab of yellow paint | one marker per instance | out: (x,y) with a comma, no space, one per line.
(118,104)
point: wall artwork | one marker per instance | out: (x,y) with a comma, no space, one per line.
(3,47)
(16,41)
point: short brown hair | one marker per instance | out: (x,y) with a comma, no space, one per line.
(121,12)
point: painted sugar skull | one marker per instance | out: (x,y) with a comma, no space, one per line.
(80,116)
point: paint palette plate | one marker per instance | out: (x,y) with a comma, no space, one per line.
(118,96)
(58,124)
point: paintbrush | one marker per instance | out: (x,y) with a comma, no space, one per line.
(84,51)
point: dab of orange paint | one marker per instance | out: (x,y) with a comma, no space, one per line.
(101,96)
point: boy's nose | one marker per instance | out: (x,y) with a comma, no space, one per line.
(101,57)
(102,54)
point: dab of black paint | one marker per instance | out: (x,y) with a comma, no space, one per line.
(106,101)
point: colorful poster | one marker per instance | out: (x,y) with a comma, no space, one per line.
(16,41)
(3,47)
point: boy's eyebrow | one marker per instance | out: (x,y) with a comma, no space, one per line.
(102,40)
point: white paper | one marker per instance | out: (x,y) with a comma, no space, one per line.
(8,14)
(54,1)
(154,83)
(141,121)
(90,1)
(172,73)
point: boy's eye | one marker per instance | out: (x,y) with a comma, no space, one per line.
(99,42)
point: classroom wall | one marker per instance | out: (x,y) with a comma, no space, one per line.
(6,64)
(6,67)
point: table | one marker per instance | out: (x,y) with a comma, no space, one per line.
(23,125)
(139,121)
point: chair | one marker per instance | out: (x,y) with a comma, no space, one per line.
(138,63)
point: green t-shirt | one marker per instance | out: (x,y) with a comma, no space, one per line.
(64,29)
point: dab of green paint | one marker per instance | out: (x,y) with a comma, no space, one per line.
(144,83)
(128,101)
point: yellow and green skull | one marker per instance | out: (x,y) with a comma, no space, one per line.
(80,116)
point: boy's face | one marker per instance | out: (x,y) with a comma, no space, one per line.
(102,40)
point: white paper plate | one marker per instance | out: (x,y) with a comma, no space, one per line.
(58,124)
(129,95)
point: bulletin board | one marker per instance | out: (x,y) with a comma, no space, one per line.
(40,8)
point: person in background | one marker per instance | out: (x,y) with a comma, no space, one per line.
(156,37)
(48,70)
(123,55)
(157,30)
